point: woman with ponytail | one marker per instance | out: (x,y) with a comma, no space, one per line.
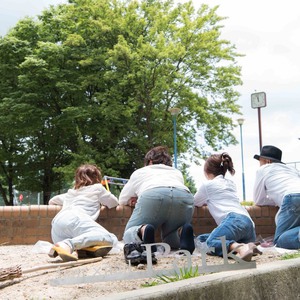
(233,220)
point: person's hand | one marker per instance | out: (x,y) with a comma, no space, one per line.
(132,201)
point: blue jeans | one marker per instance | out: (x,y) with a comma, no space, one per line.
(79,230)
(235,227)
(165,207)
(287,231)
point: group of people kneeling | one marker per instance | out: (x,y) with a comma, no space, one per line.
(162,200)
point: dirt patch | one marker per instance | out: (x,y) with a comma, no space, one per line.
(37,284)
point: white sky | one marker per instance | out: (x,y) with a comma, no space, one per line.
(267,33)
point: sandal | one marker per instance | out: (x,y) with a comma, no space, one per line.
(52,253)
(94,251)
(247,256)
(256,251)
(63,253)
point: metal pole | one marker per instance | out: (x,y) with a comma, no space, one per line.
(175,143)
(175,111)
(242,154)
(259,128)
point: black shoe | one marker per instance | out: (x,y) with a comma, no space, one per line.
(187,238)
(132,254)
(149,236)
(144,256)
(136,254)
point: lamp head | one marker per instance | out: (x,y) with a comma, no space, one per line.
(175,111)
(241,121)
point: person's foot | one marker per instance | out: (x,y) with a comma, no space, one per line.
(247,255)
(247,251)
(94,251)
(144,257)
(187,238)
(149,236)
(64,252)
(136,254)
(256,251)
(143,251)
(132,254)
(52,253)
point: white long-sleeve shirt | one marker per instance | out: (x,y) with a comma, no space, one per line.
(151,176)
(220,196)
(273,182)
(87,199)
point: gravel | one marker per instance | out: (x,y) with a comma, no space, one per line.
(36,284)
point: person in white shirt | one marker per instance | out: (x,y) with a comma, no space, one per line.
(74,229)
(162,200)
(233,220)
(277,184)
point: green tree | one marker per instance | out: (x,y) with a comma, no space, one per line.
(97,79)
(12,53)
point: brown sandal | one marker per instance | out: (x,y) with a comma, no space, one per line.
(256,251)
(94,251)
(247,256)
(63,253)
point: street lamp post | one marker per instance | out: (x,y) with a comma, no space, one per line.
(241,122)
(175,111)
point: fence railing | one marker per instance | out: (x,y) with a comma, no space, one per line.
(296,164)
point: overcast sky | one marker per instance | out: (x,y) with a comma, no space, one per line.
(267,33)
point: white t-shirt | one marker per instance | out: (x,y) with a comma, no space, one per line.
(273,182)
(220,196)
(149,177)
(87,199)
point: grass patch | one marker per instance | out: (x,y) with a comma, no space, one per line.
(185,273)
(291,255)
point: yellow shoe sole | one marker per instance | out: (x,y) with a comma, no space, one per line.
(94,251)
(63,254)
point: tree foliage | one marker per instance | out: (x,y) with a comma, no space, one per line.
(93,81)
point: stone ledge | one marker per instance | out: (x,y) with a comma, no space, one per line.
(28,224)
(277,281)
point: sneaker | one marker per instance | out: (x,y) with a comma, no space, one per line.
(132,254)
(144,257)
(136,254)
(142,250)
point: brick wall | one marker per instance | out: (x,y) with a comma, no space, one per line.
(21,225)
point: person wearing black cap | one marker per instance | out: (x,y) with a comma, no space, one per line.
(279,185)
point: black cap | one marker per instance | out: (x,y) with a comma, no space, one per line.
(270,152)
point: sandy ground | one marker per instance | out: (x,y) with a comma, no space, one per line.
(36,284)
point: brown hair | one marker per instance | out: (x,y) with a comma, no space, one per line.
(219,164)
(158,155)
(87,175)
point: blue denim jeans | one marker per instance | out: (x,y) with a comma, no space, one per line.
(165,207)
(79,230)
(235,227)
(288,223)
